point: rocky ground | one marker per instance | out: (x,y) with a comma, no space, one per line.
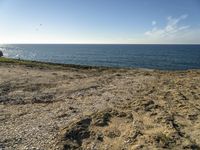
(97,108)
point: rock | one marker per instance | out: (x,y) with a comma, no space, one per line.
(1,53)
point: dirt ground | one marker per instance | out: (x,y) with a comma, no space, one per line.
(108,109)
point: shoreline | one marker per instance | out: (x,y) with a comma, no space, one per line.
(52,106)
(62,65)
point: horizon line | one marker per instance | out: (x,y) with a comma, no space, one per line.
(104,43)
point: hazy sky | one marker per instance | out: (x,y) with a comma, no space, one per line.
(100,21)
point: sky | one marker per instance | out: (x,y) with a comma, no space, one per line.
(100,21)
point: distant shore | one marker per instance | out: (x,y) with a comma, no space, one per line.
(56,106)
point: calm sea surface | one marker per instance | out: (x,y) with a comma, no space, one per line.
(166,57)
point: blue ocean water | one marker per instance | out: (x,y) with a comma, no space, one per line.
(165,57)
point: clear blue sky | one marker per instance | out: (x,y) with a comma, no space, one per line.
(100,21)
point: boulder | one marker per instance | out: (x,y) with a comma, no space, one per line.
(1,53)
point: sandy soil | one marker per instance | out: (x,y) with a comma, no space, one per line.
(70,108)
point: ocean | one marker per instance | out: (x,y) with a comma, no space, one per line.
(164,57)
